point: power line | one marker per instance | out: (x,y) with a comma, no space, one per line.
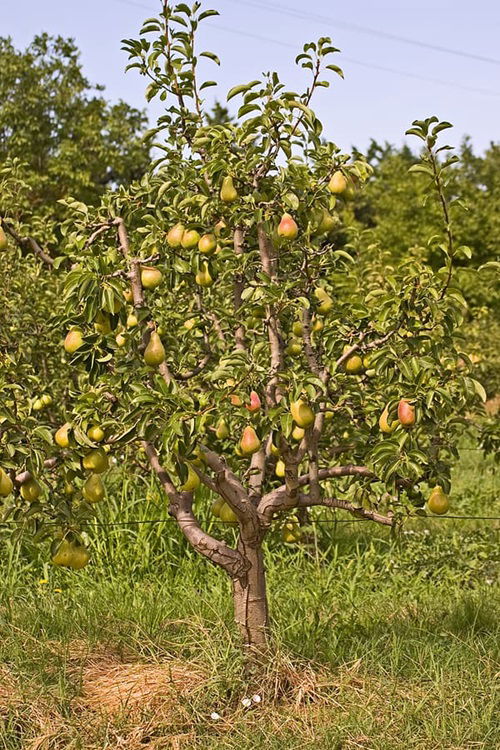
(295,13)
(354,61)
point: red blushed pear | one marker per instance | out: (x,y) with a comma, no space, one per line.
(288,228)
(406,413)
(254,404)
(249,442)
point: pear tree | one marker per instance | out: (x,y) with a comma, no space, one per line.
(221,323)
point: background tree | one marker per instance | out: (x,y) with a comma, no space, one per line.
(239,363)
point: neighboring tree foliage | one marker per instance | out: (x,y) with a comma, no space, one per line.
(227,316)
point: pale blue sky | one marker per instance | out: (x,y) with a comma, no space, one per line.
(371,102)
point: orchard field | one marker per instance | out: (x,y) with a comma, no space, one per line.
(249,398)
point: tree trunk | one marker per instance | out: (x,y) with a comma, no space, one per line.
(250,601)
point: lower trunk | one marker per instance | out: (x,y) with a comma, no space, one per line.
(250,601)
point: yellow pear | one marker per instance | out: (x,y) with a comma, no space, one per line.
(73,340)
(31,490)
(38,404)
(325,302)
(79,557)
(227,514)
(151,277)
(280,468)
(102,323)
(93,489)
(438,502)
(216,507)
(383,422)
(190,239)
(317,325)
(6,484)
(302,413)
(298,433)
(222,430)
(249,442)
(327,223)
(298,329)
(3,239)
(192,482)
(154,354)
(128,295)
(274,450)
(228,192)
(337,184)
(61,438)
(290,532)
(96,460)
(294,348)
(207,244)
(354,365)
(132,320)
(60,552)
(46,399)
(175,235)
(203,277)
(120,340)
(96,433)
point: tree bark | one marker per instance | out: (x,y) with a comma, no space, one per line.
(250,600)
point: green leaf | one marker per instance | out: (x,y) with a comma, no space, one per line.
(480,390)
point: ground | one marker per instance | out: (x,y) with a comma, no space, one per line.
(381,642)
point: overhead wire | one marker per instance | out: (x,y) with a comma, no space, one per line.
(354,61)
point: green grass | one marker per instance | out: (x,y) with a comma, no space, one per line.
(380,642)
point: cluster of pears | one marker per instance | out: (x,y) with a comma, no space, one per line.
(221,510)
(356,364)
(30,490)
(95,461)
(69,552)
(295,342)
(291,532)
(41,402)
(406,417)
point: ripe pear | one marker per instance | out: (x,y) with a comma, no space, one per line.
(190,239)
(325,302)
(73,340)
(406,413)
(31,490)
(38,404)
(192,482)
(175,235)
(383,422)
(227,514)
(96,433)
(207,244)
(102,323)
(154,354)
(151,277)
(274,450)
(132,321)
(280,469)
(254,404)
(354,365)
(438,502)
(216,506)
(228,192)
(235,399)
(291,533)
(46,399)
(120,340)
(3,239)
(302,413)
(60,552)
(249,442)
(317,325)
(96,460)
(294,348)
(128,295)
(61,437)
(222,430)
(298,329)
(93,489)
(203,277)
(298,433)
(79,557)
(327,223)
(6,484)
(287,227)
(337,184)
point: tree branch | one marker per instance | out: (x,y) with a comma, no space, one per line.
(24,242)
(305,501)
